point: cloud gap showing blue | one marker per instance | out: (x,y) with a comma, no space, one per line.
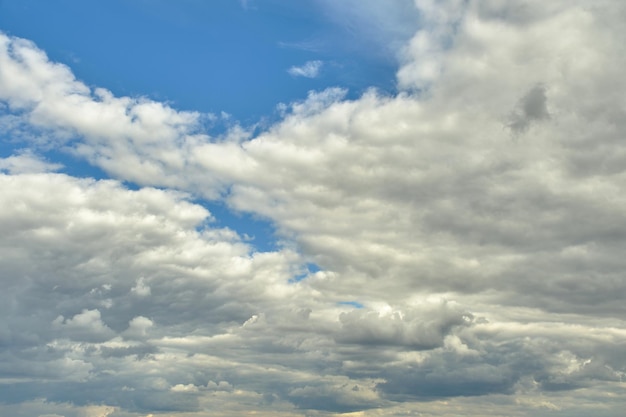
(309,269)
(354,304)
(166,50)
(288,253)
(258,233)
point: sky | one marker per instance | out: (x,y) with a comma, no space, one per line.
(311,209)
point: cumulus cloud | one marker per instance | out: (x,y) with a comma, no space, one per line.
(27,162)
(423,328)
(489,267)
(85,326)
(56,101)
(310,69)
(79,234)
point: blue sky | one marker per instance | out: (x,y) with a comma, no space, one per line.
(209,56)
(316,208)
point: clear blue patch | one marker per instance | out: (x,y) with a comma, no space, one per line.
(257,232)
(310,268)
(354,304)
(313,268)
(9,149)
(298,278)
(74,166)
(207,56)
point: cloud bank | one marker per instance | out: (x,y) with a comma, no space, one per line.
(477,216)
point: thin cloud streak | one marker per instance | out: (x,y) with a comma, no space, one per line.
(310,69)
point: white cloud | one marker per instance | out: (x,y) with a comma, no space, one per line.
(84,326)
(141,289)
(184,388)
(27,162)
(493,183)
(138,327)
(310,69)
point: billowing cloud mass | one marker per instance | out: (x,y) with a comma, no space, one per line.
(469,233)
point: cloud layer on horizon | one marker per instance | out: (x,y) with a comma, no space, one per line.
(477,216)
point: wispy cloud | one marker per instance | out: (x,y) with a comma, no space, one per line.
(311,45)
(310,69)
(246,4)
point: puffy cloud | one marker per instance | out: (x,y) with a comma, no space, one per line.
(71,243)
(27,162)
(55,100)
(477,217)
(138,327)
(85,326)
(425,53)
(423,328)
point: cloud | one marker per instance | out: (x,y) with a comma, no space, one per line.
(27,162)
(141,289)
(88,241)
(531,108)
(85,326)
(310,69)
(490,270)
(426,52)
(374,29)
(419,329)
(56,101)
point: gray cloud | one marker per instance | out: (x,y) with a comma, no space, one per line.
(490,270)
(423,328)
(531,108)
